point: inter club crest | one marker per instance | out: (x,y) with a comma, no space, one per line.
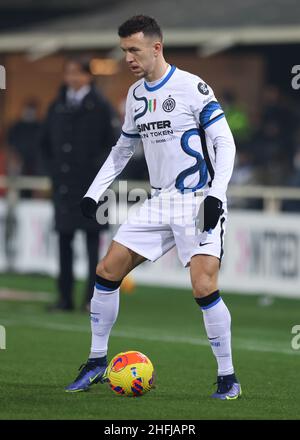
(169,104)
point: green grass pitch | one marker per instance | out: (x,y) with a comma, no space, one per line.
(45,350)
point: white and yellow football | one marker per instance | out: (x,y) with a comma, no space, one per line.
(130,374)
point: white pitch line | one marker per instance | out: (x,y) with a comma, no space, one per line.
(140,334)
(22,295)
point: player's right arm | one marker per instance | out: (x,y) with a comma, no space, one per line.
(115,163)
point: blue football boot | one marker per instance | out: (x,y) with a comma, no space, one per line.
(228,388)
(90,373)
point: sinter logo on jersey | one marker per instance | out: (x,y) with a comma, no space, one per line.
(203,88)
(169,104)
(148,126)
(155,129)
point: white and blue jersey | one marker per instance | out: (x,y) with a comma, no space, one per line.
(186,139)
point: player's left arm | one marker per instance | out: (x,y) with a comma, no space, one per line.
(211,118)
(224,146)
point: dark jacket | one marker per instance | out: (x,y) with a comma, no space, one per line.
(22,137)
(74,144)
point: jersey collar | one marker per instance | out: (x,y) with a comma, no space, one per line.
(162,83)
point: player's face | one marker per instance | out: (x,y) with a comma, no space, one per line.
(140,53)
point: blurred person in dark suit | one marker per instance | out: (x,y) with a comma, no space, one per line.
(279,114)
(271,155)
(76,138)
(22,140)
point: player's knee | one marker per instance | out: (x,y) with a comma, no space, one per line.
(203,286)
(104,271)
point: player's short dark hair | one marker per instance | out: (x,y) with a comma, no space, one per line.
(140,23)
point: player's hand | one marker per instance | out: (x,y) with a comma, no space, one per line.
(89,207)
(212,212)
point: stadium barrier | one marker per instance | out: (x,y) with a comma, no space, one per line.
(272,196)
(262,248)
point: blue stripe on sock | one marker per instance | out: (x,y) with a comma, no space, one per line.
(106,289)
(211,305)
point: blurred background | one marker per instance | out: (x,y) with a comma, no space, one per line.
(247,51)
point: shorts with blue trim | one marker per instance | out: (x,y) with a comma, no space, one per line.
(168,219)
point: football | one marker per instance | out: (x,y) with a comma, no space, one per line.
(130,374)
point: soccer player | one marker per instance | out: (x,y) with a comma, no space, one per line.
(189,151)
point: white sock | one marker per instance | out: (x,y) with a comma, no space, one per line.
(104,312)
(217,322)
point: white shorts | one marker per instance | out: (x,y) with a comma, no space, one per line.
(168,219)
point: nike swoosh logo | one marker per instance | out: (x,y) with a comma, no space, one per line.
(213,338)
(137,109)
(93,378)
(204,244)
